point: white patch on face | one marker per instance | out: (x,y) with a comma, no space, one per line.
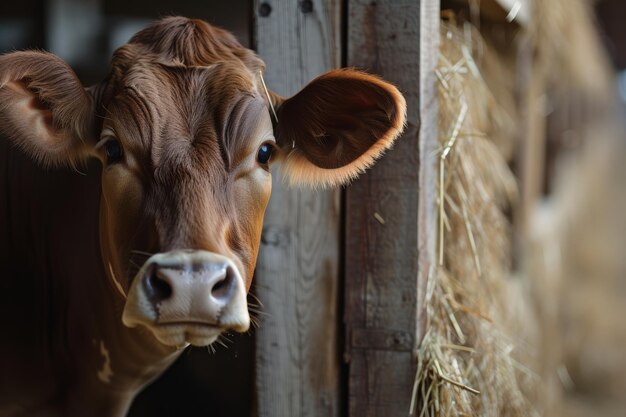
(105,374)
(116,282)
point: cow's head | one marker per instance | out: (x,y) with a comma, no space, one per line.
(183,128)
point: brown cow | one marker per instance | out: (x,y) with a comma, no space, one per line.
(95,303)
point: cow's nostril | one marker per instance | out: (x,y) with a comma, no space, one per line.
(222,288)
(156,288)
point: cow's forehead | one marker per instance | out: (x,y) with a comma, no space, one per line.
(214,86)
(207,112)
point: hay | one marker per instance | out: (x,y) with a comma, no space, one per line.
(495,343)
(569,52)
(575,249)
(468,364)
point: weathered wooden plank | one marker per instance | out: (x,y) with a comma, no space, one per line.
(428,145)
(386,37)
(297,271)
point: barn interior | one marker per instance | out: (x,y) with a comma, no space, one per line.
(572,194)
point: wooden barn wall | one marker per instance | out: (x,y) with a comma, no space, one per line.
(297,275)
(298,278)
(389,210)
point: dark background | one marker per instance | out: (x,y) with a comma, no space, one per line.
(85,32)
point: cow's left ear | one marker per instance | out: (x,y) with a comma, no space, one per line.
(44,108)
(337,126)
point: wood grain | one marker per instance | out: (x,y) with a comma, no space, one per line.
(297,278)
(392,39)
(429,155)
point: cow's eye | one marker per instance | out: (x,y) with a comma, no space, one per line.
(113,150)
(265,153)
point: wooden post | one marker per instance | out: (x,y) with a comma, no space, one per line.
(399,41)
(297,271)
(429,154)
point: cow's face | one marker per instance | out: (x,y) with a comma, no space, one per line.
(186,155)
(182,127)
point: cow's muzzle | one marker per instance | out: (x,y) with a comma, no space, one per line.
(187,297)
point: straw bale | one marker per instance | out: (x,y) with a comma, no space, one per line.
(576,261)
(574,256)
(472,359)
(501,341)
(569,52)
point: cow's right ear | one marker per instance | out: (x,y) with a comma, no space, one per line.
(44,109)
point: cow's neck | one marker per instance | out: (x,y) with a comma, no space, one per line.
(121,360)
(62,332)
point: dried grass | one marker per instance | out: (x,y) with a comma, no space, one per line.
(569,52)
(468,363)
(575,251)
